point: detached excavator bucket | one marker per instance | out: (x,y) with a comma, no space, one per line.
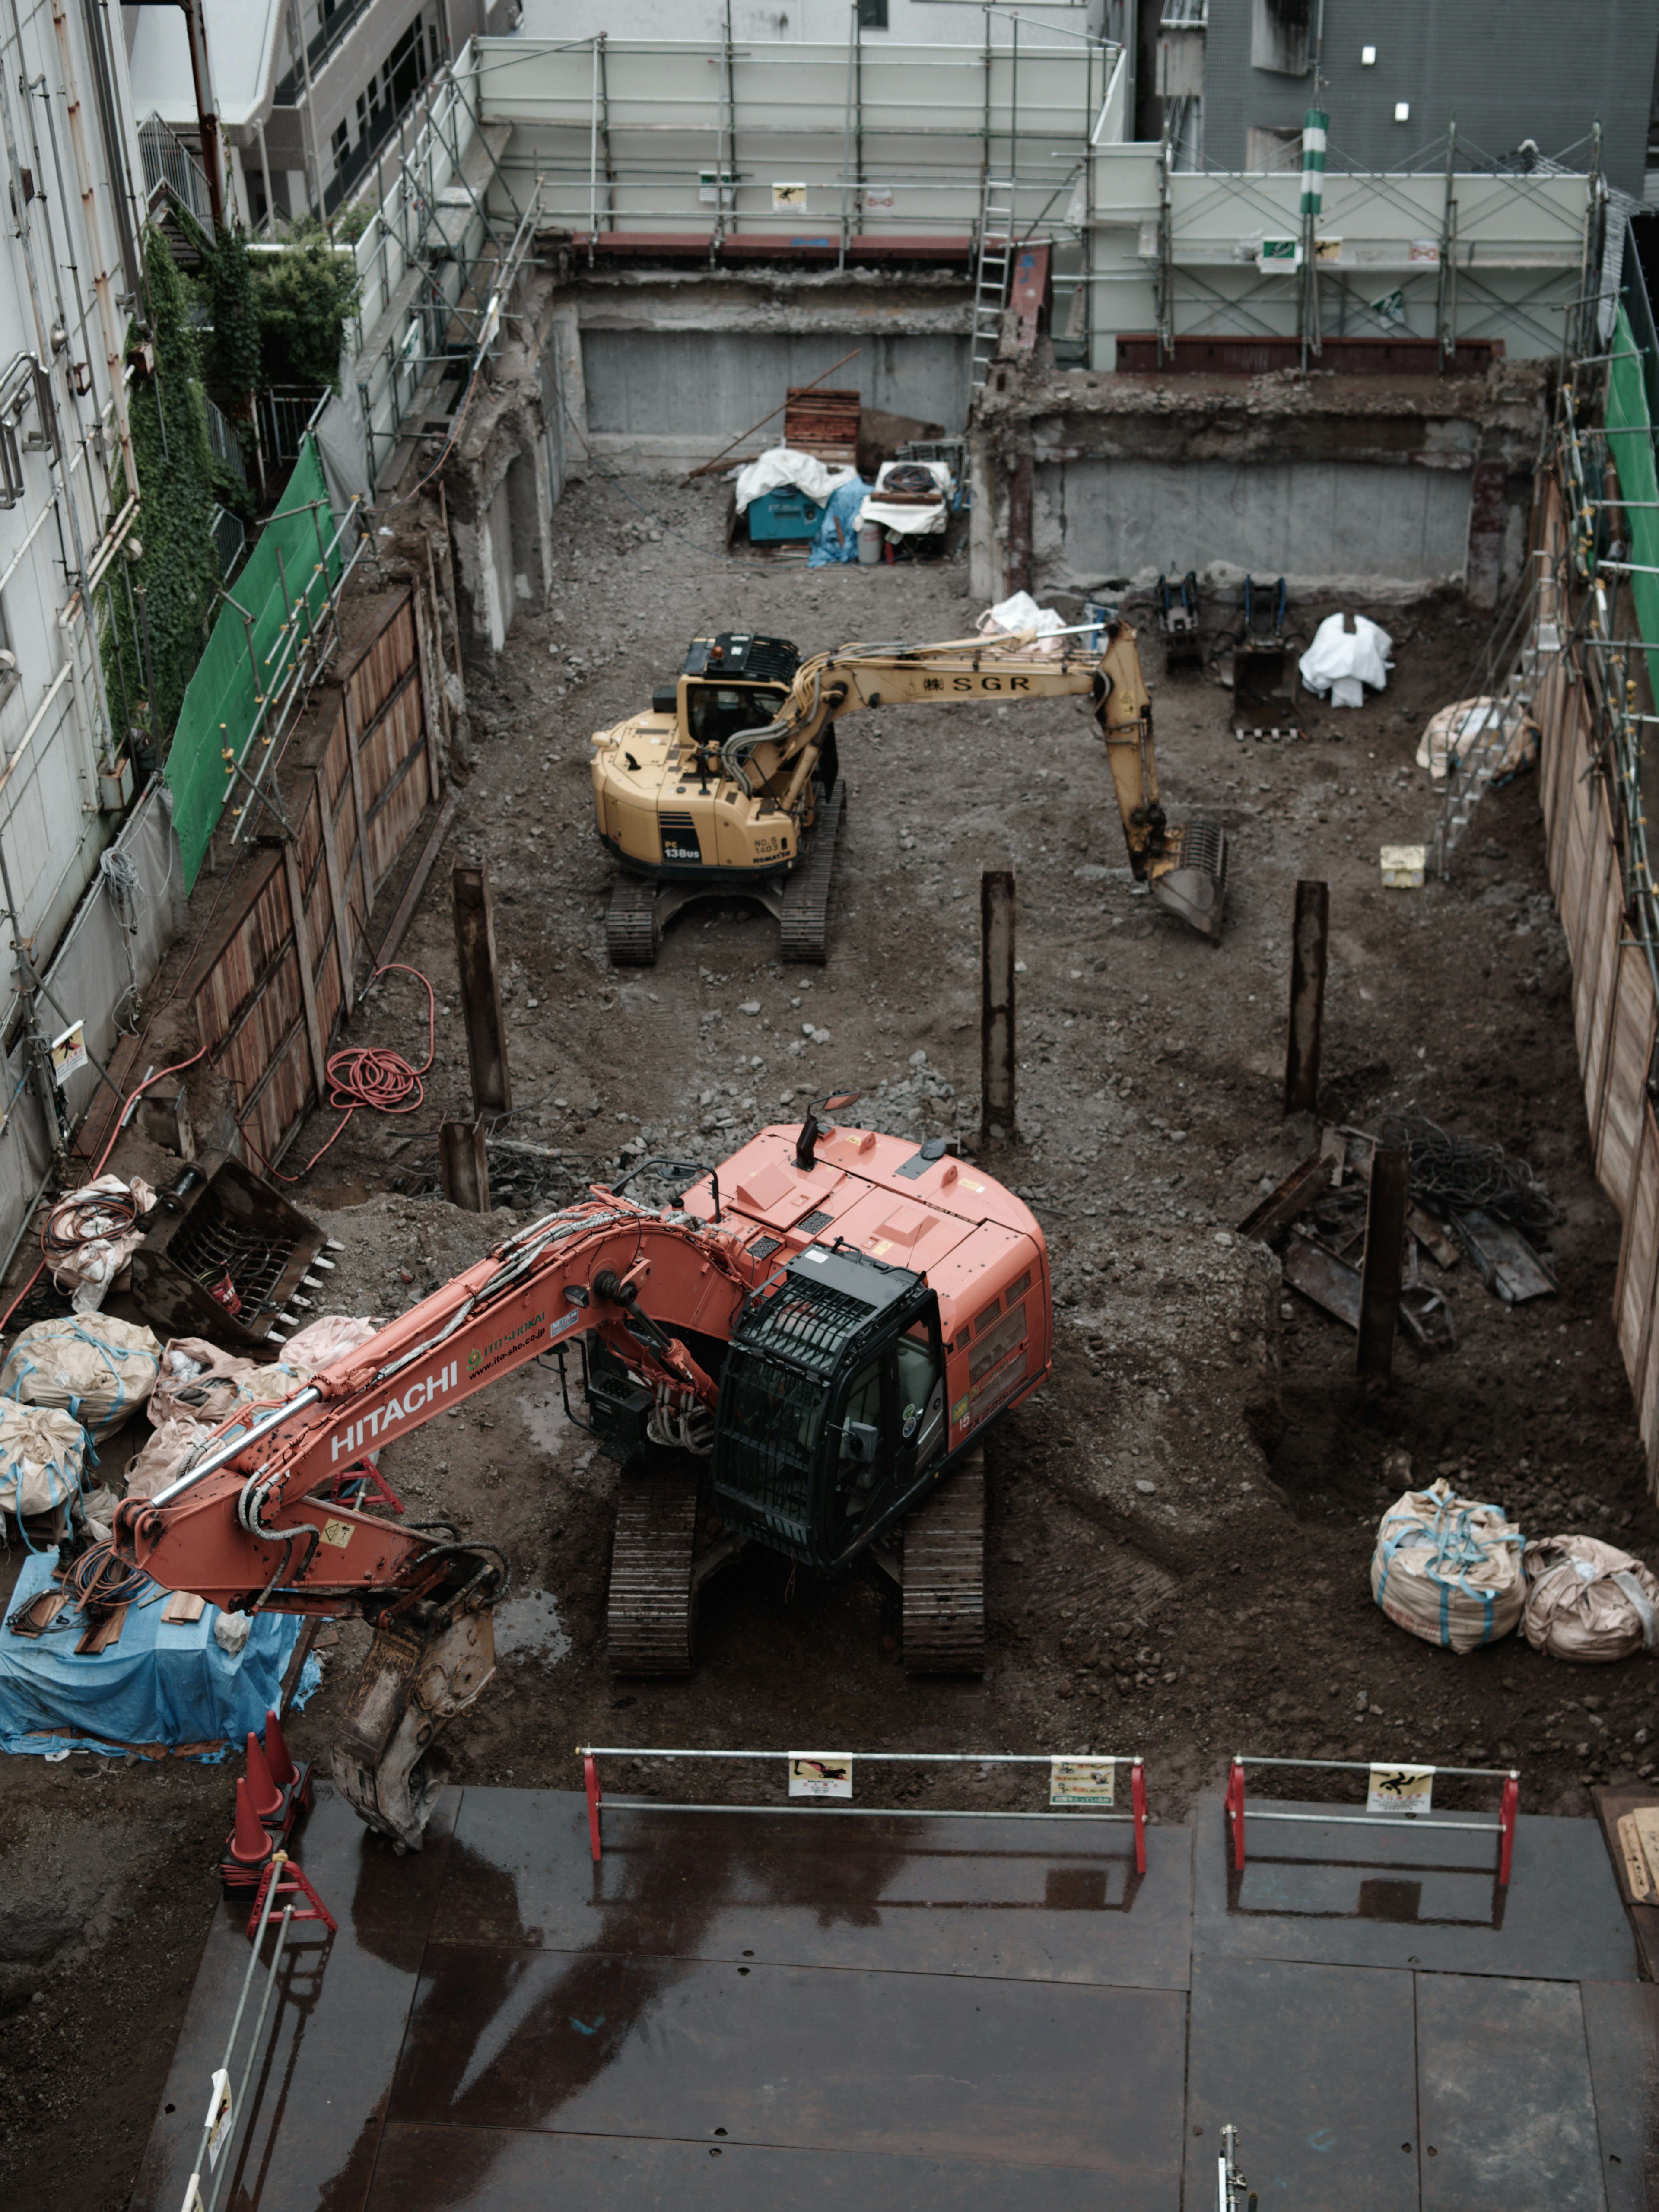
(1194,885)
(422,1668)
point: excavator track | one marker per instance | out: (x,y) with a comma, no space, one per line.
(633,927)
(943,1580)
(805,929)
(652,1609)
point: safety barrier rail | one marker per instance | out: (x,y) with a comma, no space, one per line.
(1082,1785)
(1395,1787)
(281,1879)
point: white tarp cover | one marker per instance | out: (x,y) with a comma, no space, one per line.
(780,465)
(1019,616)
(910,521)
(1343,662)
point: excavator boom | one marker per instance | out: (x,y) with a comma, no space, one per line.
(731,778)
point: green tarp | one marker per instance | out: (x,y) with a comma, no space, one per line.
(1627,409)
(247,656)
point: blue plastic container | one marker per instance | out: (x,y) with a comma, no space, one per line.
(785,512)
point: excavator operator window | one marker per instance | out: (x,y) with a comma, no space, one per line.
(921,1392)
(861,1464)
(719,711)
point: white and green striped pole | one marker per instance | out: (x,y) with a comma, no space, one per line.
(1315,124)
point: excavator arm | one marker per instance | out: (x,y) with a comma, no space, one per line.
(251,1526)
(1184,863)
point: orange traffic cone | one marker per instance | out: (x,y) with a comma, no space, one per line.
(249,1846)
(283,1771)
(267,1798)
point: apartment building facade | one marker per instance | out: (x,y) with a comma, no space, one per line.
(311,96)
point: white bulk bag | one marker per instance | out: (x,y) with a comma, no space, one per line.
(1447,1569)
(41,1455)
(1588,1601)
(90,1365)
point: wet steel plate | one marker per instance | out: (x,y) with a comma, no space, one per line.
(1507,2114)
(477,2167)
(1013,2073)
(1317,2066)
(1413,1897)
(1043,1901)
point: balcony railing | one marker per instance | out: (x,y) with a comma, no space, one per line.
(172,171)
(222,436)
(335,28)
(230,541)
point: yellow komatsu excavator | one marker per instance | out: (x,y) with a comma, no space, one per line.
(731,785)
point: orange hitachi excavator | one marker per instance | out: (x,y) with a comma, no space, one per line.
(802,1351)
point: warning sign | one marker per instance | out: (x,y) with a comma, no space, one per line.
(820,1774)
(1401,1789)
(218,2117)
(1081,1781)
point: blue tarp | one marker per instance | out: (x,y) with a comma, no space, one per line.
(838,538)
(159,1688)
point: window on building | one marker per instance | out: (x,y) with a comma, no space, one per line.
(872,14)
(1281,36)
(339,140)
(1272,150)
(401,69)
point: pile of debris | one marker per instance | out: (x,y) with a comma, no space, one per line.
(1467,1200)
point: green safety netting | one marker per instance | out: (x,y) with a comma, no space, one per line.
(281,589)
(1627,409)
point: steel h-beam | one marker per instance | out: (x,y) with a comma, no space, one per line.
(481,990)
(463,1164)
(1309,939)
(1385,1253)
(996,913)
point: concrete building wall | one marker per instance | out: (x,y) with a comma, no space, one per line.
(673,396)
(1506,69)
(1313,521)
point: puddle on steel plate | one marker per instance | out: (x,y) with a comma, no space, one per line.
(528,1627)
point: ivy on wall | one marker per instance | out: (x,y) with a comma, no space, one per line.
(178,568)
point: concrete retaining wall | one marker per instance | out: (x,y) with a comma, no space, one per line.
(669,398)
(1317,520)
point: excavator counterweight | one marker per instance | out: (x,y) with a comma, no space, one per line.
(731,782)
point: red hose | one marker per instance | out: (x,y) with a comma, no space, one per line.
(369,1075)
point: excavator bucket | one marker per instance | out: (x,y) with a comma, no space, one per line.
(1195,883)
(422,1668)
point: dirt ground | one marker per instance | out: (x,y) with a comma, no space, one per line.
(1181,1520)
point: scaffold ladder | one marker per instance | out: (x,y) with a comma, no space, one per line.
(1475,757)
(996,253)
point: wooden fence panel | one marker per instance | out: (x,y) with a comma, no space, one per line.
(271,992)
(1605,922)
(1615,1015)
(1624,1095)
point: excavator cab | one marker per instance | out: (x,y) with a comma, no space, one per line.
(831,1412)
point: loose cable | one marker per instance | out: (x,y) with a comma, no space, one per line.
(370,1076)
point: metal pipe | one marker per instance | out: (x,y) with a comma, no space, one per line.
(818,1805)
(227,1449)
(207,118)
(912,1757)
(115,148)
